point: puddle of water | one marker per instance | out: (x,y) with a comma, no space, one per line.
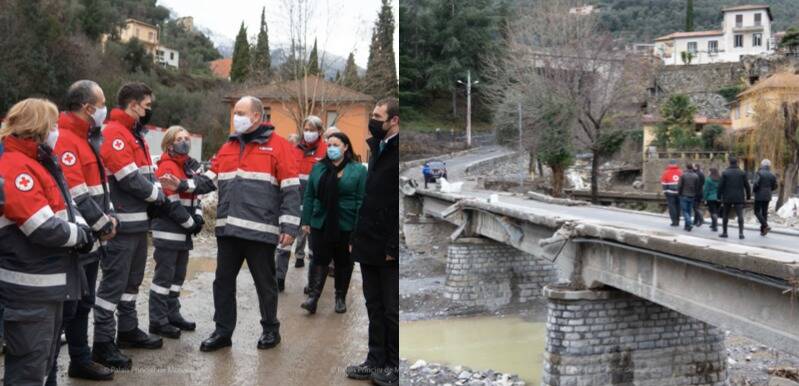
(508,345)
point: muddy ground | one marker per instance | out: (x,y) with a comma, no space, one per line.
(422,277)
(314,350)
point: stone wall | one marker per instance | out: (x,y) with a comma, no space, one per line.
(609,337)
(509,164)
(482,272)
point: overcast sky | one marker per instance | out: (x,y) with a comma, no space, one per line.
(340,25)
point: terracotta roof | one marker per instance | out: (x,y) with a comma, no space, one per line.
(323,89)
(748,7)
(221,67)
(677,35)
(780,80)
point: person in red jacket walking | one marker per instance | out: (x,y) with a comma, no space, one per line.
(78,150)
(41,237)
(308,152)
(171,239)
(134,193)
(669,181)
(259,208)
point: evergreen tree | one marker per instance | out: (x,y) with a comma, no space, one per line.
(689,15)
(350,77)
(313,61)
(381,72)
(240,68)
(262,61)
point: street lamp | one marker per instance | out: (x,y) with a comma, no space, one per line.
(469,84)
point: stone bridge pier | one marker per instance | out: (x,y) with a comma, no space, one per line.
(481,271)
(610,337)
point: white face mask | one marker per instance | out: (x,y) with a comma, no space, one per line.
(52,137)
(99,116)
(310,136)
(241,123)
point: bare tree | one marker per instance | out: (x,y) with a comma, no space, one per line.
(300,92)
(553,55)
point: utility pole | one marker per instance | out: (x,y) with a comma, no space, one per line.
(521,147)
(468,85)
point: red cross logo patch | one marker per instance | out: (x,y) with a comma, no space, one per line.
(68,158)
(24,182)
(118,144)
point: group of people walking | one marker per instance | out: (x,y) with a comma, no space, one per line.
(687,189)
(81,195)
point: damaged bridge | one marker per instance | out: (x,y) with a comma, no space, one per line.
(630,299)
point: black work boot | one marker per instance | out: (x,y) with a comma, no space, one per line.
(90,370)
(281,285)
(341,302)
(315,286)
(180,322)
(108,355)
(299,263)
(165,330)
(137,338)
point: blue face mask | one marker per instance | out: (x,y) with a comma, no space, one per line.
(333,153)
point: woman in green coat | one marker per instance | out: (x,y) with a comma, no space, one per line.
(330,206)
(711,193)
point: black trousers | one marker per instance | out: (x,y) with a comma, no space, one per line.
(170,272)
(713,207)
(698,215)
(673,202)
(381,290)
(32,331)
(339,252)
(761,212)
(231,254)
(725,213)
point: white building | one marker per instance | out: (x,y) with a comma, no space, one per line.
(745,30)
(167,56)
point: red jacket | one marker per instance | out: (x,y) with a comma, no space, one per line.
(37,230)
(259,187)
(171,226)
(670,179)
(131,176)
(307,156)
(84,172)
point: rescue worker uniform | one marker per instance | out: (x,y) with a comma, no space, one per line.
(307,154)
(172,241)
(259,199)
(78,153)
(669,181)
(134,192)
(39,232)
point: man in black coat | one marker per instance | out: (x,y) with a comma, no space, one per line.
(733,186)
(375,245)
(698,217)
(765,184)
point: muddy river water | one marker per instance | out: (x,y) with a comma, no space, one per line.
(506,344)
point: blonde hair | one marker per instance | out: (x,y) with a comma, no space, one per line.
(31,118)
(170,135)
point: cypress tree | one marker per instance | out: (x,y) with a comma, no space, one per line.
(381,72)
(313,61)
(240,68)
(262,60)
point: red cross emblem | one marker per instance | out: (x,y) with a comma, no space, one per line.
(118,144)
(24,182)
(68,159)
